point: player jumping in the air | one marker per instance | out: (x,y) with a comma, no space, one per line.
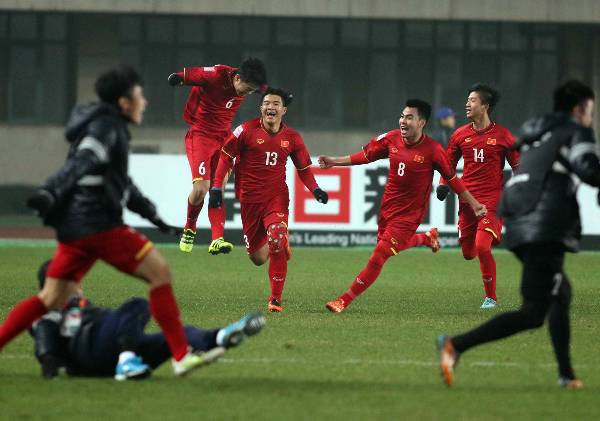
(413,158)
(261,148)
(84,202)
(217,93)
(483,145)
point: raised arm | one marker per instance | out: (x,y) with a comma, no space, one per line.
(196,76)
(374,150)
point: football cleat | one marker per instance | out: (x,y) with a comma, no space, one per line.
(567,383)
(434,239)
(274,306)
(194,360)
(237,332)
(186,244)
(448,359)
(132,368)
(488,303)
(219,246)
(337,306)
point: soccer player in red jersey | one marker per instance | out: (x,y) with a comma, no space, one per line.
(413,158)
(484,145)
(217,93)
(261,148)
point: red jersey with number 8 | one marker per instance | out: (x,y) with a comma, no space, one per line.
(261,157)
(408,187)
(213,100)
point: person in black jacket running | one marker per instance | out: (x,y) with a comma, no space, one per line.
(84,202)
(540,208)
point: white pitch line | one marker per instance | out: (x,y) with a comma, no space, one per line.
(359,361)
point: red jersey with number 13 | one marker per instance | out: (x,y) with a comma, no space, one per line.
(408,187)
(483,153)
(213,100)
(261,157)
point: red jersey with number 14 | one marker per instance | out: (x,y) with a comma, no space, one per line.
(408,187)
(483,153)
(213,101)
(261,157)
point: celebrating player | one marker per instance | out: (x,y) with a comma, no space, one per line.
(217,93)
(84,200)
(484,145)
(542,223)
(413,157)
(261,148)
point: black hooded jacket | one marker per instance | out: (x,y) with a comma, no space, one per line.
(539,202)
(93,185)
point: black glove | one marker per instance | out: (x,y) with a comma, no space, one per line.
(164,227)
(215,197)
(320,195)
(175,80)
(50,365)
(442,191)
(41,201)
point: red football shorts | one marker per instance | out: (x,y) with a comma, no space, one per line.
(122,247)
(203,155)
(395,232)
(256,217)
(469,224)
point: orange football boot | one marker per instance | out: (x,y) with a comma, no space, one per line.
(337,306)
(434,238)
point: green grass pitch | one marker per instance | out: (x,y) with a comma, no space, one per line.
(375,361)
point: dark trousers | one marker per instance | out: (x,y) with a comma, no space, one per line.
(546,293)
(123,330)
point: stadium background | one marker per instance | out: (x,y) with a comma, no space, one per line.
(350,64)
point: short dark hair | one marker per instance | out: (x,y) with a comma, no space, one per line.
(570,94)
(116,82)
(488,95)
(286,96)
(41,274)
(423,108)
(253,71)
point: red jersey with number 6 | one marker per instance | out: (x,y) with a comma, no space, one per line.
(408,187)
(213,100)
(483,153)
(261,157)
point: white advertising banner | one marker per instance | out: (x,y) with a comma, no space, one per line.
(350,217)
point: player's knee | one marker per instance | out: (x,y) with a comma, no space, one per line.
(258,260)
(534,314)
(277,237)
(468,251)
(382,252)
(161,274)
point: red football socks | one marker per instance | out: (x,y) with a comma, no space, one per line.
(419,240)
(21,318)
(192,215)
(487,264)
(369,274)
(277,273)
(216,216)
(166,313)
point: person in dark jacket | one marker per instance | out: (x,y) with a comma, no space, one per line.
(90,341)
(540,208)
(84,202)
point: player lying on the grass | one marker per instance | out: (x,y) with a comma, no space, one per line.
(484,145)
(261,148)
(542,223)
(413,157)
(91,341)
(84,202)
(217,93)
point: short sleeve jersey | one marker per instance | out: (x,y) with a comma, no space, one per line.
(484,153)
(213,100)
(261,158)
(408,187)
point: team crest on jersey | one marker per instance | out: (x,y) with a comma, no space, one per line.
(418,158)
(260,141)
(467,140)
(285,144)
(485,221)
(491,141)
(394,149)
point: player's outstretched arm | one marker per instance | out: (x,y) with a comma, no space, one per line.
(144,207)
(358,158)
